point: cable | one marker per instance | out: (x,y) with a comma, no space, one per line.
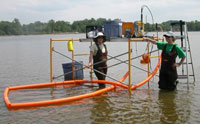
(149,11)
(121,61)
(87,66)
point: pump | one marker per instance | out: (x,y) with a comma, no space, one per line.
(92,30)
(139,29)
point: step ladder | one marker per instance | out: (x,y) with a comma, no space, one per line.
(187,69)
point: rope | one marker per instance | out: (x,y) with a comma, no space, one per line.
(86,66)
(127,63)
(89,67)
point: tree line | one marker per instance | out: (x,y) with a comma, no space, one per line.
(16,28)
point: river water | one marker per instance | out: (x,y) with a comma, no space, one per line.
(25,60)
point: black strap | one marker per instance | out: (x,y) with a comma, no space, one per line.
(98,48)
(174,47)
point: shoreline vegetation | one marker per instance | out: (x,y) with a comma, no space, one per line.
(64,27)
(63,33)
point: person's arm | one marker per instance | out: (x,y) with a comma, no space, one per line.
(181,62)
(151,40)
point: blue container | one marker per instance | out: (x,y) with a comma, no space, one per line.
(112,29)
(78,75)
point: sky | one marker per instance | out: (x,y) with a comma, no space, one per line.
(29,11)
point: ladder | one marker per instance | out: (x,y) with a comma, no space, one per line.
(187,69)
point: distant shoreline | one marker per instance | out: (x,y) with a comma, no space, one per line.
(67,33)
(43,34)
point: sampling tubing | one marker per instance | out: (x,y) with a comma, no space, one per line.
(62,100)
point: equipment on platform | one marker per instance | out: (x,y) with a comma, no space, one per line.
(139,29)
(92,30)
(127,29)
(133,29)
(112,29)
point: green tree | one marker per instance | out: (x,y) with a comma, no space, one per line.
(16,27)
(62,26)
(6,28)
(51,26)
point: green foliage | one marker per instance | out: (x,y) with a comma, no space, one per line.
(15,28)
(10,28)
(35,28)
(165,26)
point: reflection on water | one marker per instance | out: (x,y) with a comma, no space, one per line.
(168,106)
(102,110)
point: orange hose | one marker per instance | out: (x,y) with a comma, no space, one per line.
(72,98)
(6,97)
(62,100)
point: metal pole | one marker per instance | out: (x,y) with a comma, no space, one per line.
(148,65)
(51,64)
(73,63)
(186,51)
(91,75)
(129,64)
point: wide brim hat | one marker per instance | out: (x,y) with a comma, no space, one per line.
(169,34)
(100,34)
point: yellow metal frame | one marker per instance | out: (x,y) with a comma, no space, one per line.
(129,56)
(51,56)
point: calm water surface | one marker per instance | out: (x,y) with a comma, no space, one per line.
(25,60)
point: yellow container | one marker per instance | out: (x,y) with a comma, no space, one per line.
(70,46)
(127,27)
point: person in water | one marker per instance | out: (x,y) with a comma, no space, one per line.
(98,52)
(168,72)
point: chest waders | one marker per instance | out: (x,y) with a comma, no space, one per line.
(168,73)
(102,67)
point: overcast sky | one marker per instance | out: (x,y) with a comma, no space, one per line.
(28,11)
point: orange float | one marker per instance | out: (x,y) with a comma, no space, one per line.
(145,59)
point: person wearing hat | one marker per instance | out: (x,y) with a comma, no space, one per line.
(98,52)
(168,72)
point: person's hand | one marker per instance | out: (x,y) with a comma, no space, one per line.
(176,65)
(89,64)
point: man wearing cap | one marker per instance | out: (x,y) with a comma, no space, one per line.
(168,72)
(98,52)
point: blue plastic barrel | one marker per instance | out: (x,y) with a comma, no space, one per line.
(67,68)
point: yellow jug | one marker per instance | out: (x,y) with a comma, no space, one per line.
(70,46)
